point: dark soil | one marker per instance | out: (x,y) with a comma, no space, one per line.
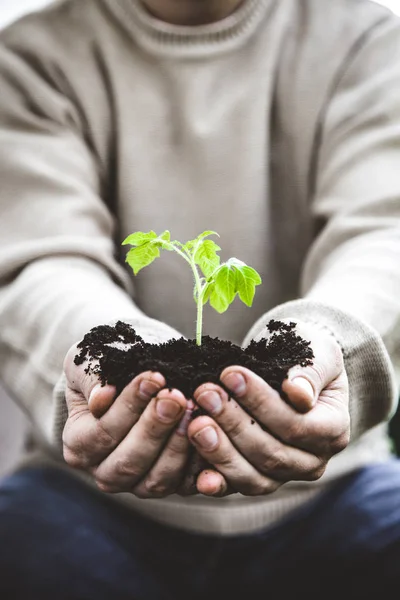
(117,354)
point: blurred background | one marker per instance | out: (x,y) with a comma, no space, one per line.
(12,421)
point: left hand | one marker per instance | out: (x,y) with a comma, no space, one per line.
(257,441)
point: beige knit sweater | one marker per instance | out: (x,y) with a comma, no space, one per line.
(278,127)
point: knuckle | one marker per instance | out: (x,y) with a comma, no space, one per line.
(130,400)
(256,403)
(177,447)
(155,433)
(109,482)
(224,459)
(316,473)
(156,488)
(74,450)
(340,443)
(295,431)
(104,486)
(234,429)
(124,470)
(274,462)
(104,438)
(74,460)
(140,492)
(334,438)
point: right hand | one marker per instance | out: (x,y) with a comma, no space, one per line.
(134,443)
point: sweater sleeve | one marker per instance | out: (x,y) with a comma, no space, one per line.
(59,276)
(351,275)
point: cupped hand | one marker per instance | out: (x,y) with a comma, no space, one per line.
(256,440)
(134,443)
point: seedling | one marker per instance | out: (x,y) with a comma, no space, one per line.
(214,282)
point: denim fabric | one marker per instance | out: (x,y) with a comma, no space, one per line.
(60,540)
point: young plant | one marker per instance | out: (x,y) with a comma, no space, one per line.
(214,282)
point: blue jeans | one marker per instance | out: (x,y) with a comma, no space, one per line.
(61,541)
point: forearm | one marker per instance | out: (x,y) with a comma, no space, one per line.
(362,278)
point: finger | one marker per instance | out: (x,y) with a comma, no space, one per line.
(269,455)
(127,408)
(140,449)
(166,474)
(212,483)
(88,440)
(196,464)
(79,380)
(100,399)
(80,430)
(322,431)
(304,384)
(84,388)
(214,445)
(257,398)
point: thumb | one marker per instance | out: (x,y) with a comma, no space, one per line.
(304,385)
(300,392)
(100,399)
(84,390)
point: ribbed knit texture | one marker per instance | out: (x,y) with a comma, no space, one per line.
(278,127)
(167,39)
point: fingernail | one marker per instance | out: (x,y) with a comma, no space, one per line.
(235,382)
(304,385)
(207,438)
(167,409)
(148,389)
(211,401)
(94,392)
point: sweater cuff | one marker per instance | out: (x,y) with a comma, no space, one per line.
(152,332)
(373,393)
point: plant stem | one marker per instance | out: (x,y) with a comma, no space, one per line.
(199,295)
(199,320)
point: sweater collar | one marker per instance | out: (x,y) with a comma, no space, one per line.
(163,38)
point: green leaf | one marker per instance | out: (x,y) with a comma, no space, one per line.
(190,244)
(225,282)
(139,238)
(142,256)
(164,241)
(206,234)
(246,280)
(233,277)
(218,301)
(217,284)
(224,291)
(207,292)
(207,258)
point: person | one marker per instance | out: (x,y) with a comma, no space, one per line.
(276,124)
